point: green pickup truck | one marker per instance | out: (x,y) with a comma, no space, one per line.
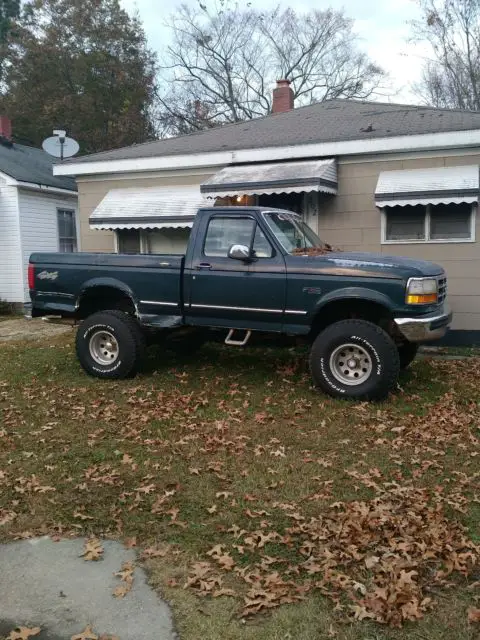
(249,269)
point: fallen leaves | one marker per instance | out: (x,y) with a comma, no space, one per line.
(416,547)
(86,634)
(473,615)
(89,634)
(126,576)
(154,552)
(283,492)
(93,550)
(23,633)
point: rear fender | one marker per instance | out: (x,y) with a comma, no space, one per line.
(112,283)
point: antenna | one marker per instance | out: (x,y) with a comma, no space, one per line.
(60,146)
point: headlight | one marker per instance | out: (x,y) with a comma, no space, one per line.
(422,291)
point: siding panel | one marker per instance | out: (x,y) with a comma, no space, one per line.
(352,221)
(11,288)
(38,224)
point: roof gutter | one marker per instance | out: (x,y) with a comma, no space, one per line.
(13,182)
(418,142)
(45,188)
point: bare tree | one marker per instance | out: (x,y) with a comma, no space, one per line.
(452,29)
(221,64)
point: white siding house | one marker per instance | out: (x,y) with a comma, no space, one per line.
(39,225)
(34,210)
(11,283)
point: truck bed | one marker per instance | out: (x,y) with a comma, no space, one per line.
(153,282)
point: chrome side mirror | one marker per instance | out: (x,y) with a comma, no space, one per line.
(239,252)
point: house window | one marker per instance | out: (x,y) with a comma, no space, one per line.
(128,241)
(67,231)
(429,223)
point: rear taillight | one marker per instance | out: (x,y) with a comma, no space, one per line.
(31,276)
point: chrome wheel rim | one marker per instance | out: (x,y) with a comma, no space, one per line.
(103,348)
(351,364)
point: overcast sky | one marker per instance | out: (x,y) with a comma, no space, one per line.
(383,26)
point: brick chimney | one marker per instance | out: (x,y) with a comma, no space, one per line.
(5,127)
(282,97)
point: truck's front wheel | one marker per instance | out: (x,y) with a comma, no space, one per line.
(355,359)
(107,345)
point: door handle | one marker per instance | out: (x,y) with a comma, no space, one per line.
(203,265)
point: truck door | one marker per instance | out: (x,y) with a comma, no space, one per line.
(226,292)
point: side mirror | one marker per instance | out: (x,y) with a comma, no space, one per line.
(239,252)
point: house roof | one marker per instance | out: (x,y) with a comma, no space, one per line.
(329,121)
(28,164)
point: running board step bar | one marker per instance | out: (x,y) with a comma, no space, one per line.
(237,343)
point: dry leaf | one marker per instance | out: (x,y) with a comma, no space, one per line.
(126,575)
(371,561)
(212,509)
(223,592)
(473,615)
(86,634)
(93,550)
(122,590)
(154,552)
(126,572)
(23,633)
(130,542)
(225,561)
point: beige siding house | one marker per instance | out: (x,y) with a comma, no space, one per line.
(384,178)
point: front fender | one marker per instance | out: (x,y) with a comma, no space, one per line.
(355,293)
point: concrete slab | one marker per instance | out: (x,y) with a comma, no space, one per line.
(47,584)
(21,329)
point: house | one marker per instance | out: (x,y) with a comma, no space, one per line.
(38,212)
(395,179)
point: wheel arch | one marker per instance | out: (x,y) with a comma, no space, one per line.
(101,294)
(354,303)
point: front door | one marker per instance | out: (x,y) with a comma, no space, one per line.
(226,292)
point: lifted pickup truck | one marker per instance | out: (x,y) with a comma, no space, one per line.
(249,269)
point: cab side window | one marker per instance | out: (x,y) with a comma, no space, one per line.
(223,232)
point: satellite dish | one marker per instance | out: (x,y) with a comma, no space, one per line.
(60,146)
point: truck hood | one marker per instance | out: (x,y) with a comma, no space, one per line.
(359,264)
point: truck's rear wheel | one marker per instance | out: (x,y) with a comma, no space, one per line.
(355,359)
(109,345)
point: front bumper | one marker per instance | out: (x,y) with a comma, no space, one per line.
(425,328)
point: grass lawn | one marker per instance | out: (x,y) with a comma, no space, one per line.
(262,509)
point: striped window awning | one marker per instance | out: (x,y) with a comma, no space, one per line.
(441,185)
(279,177)
(148,208)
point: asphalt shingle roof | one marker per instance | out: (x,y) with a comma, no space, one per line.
(29,164)
(330,121)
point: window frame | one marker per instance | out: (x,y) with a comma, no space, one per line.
(252,237)
(117,241)
(76,238)
(427,239)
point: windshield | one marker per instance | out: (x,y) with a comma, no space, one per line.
(293,234)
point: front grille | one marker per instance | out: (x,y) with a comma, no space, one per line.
(442,289)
